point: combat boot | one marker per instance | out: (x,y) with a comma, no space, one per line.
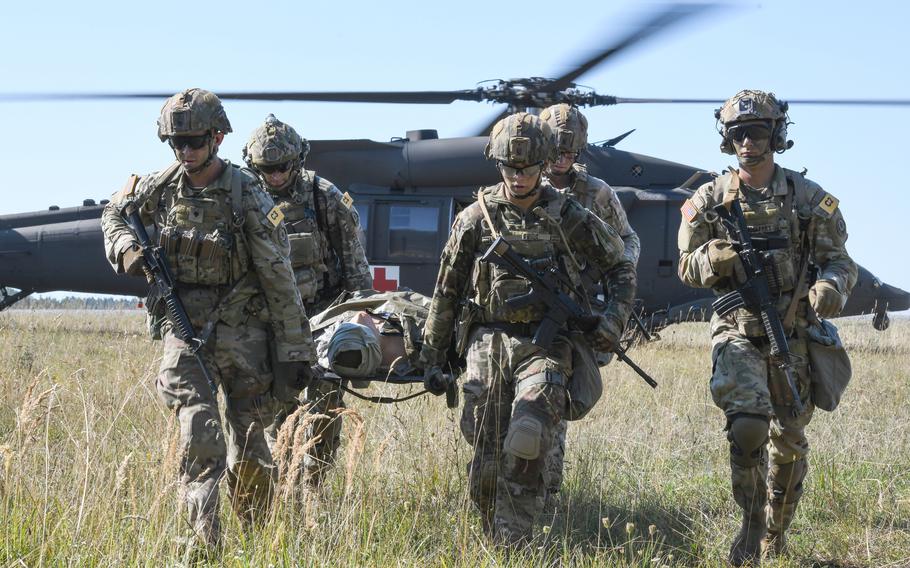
(750,493)
(786,491)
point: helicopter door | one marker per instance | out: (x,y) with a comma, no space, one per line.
(404,239)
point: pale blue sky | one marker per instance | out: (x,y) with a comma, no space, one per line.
(60,153)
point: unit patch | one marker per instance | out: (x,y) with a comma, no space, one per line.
(688,210)
(275,216)
(347,200)
(828,204)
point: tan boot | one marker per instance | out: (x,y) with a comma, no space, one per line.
(786,491)
(750,493)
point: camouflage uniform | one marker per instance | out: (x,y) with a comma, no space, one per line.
(515,391)
(743,384)
(327,256)
(234,278)
(571,128)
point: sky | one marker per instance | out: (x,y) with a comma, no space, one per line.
(59,153)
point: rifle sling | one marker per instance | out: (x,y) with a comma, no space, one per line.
(486,215)
(790,315)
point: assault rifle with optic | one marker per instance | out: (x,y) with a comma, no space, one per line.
(562,311)
(162,280)
(755,295)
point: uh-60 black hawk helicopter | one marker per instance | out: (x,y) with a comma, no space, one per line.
(408,191)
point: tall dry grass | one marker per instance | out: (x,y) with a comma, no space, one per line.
(88,458)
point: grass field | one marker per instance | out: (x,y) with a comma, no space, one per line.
(87,476)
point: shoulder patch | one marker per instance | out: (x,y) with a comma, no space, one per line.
(688,210)
(828,204)
(275,216)
(347,200)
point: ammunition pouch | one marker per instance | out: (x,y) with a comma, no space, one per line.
(504,287)
(829,365)
(305,250)
(202,258)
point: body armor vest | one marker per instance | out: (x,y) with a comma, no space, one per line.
(540,243)
(200,238)
(776,230)
(311,253)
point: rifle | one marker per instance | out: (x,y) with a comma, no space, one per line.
(161,278)
(563,310)
(755,294)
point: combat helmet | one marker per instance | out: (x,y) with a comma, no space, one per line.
(192,110)
(569,126)
(521,138)
(749,105)
(275,143)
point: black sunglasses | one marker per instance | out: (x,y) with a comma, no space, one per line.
(511,171)
(750,131)
(270,169)
(194,142)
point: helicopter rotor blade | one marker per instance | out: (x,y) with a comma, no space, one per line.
(607,100)
(399,97)
(660,21)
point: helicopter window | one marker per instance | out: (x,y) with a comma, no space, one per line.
(413,232)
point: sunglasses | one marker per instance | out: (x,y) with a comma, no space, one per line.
(271,169)
(750,131)
(193,142)
(510,171)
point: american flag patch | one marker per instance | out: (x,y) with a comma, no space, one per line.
(689,212)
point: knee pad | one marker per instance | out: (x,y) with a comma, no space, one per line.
(748,434)
(523,439)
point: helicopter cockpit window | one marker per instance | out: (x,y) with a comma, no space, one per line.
(413,232)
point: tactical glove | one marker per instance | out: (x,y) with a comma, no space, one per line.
(132,260)
(435,381)
(724,260)
(826,299)
(605,337)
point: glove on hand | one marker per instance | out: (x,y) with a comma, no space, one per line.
(825,298)
(605,337)
(724,260)
(132,260)
(435,381)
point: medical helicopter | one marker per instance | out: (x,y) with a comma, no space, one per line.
(409,189)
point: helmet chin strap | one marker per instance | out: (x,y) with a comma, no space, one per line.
(754,160)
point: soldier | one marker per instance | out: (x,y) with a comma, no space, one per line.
(568,175)
(515,392)
(327,257)
(228,248)
(754,396)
